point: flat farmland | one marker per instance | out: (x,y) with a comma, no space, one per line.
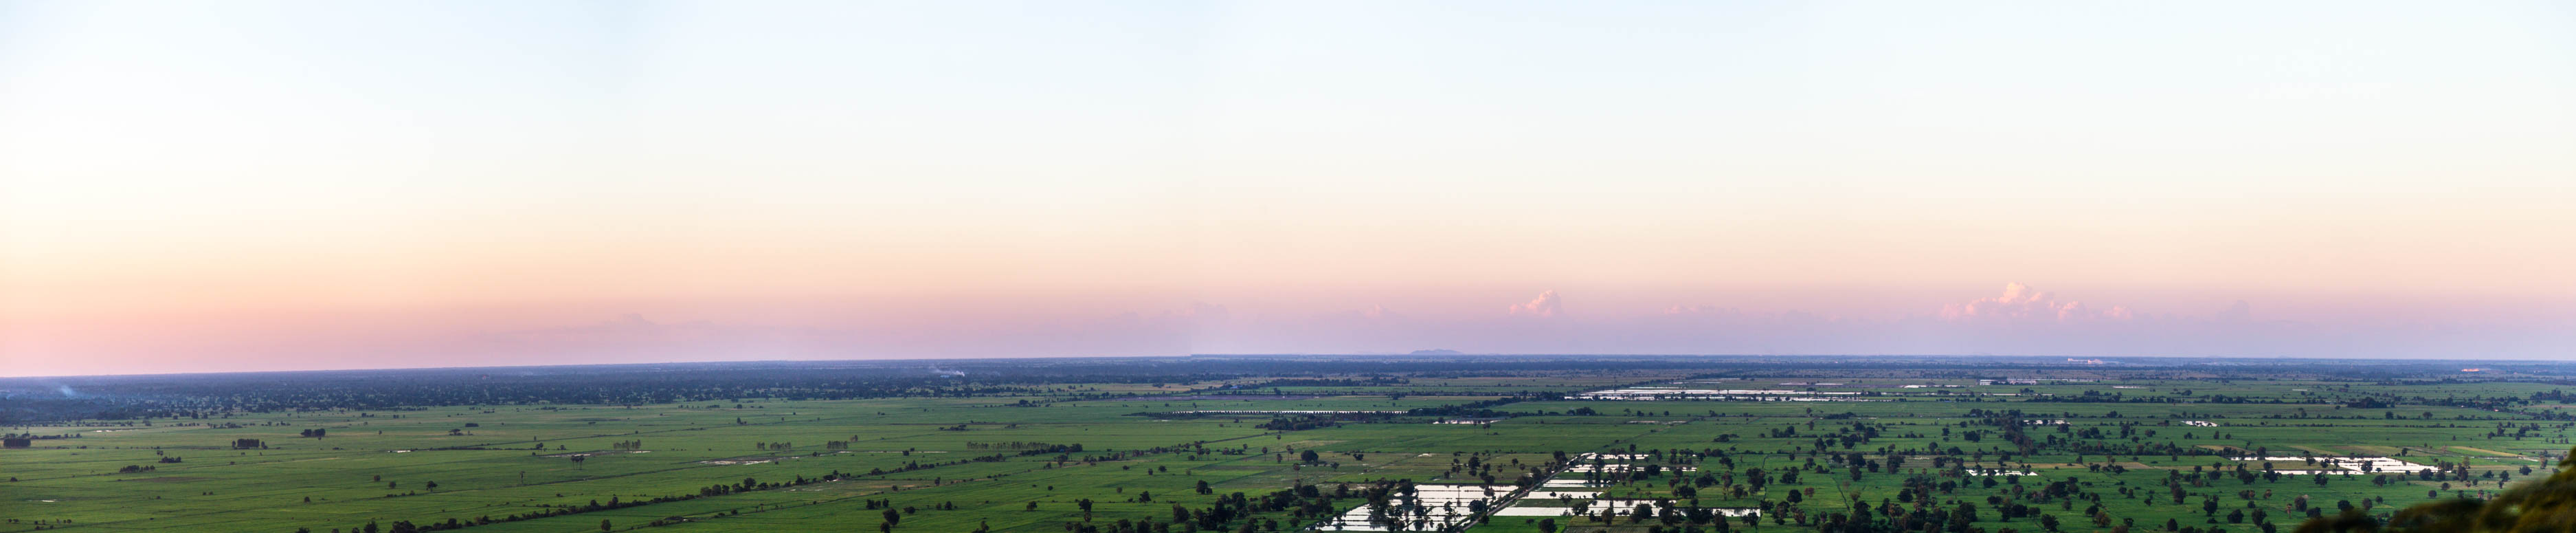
(1289,452)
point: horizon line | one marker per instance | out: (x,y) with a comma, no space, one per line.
(1289,355)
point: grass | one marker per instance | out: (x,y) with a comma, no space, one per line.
(497,461)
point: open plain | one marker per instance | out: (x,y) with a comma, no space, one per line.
(1252,444)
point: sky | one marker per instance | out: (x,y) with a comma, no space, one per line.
(257,185)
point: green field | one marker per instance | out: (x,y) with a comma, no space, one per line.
(1904,461)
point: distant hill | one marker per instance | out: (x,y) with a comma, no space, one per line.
(1437,352)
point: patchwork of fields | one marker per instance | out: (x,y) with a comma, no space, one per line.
(1523,453)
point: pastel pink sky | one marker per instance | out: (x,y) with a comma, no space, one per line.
(260,186)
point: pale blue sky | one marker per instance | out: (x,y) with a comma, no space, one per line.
(2351,165)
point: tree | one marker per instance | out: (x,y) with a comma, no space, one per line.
(1547,525)
(892,517)
(603,525)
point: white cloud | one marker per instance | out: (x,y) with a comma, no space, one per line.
(2020,303)
(1546,305)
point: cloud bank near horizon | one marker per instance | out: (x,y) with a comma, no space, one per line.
(2016,320)
(2019,320)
